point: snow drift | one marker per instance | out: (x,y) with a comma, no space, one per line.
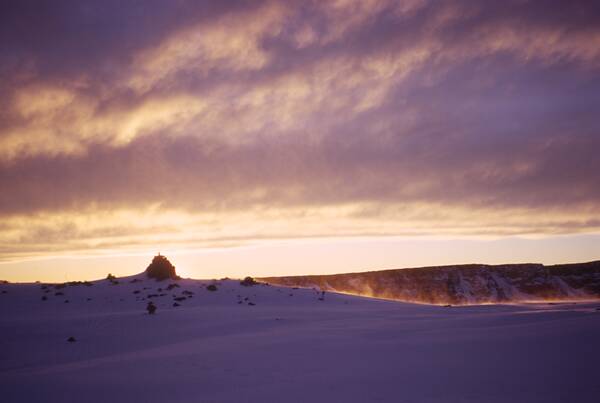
(231,342)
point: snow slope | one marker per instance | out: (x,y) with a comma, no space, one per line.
(288,347)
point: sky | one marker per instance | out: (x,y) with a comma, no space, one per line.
(290,137)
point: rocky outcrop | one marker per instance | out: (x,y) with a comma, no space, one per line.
(161,269)
(464,284)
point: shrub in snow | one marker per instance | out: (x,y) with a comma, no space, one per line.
(110,277)
(151,308)
(161,269)
(248,281)
(211,287)
(71,339)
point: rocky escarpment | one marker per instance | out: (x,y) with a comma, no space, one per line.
(464,284)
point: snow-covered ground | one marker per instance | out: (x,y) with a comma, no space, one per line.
(287,347)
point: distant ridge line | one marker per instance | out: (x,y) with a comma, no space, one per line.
(464,284)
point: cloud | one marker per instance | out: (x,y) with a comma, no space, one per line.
(309,118)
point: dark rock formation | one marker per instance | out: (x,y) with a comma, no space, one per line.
(161,269)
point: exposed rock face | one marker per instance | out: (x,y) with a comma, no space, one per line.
(161,269)
(464,284)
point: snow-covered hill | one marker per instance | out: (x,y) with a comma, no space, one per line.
(275,344)
(465,284)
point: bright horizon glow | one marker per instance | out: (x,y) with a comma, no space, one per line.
(315,256)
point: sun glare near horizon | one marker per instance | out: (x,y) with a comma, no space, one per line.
(280,138)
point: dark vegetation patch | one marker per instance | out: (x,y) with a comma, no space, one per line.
(248,281)
(77,283)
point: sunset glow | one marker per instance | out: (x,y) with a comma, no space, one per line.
(278,138)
